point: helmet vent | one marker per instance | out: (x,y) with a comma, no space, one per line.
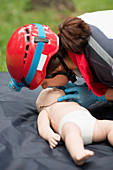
(27,31)
(27,47)
(28,38)
(25,55)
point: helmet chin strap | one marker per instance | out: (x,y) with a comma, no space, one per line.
(69,73)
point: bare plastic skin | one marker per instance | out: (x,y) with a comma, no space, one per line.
(57,120)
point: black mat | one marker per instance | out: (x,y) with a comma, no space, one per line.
(21,148)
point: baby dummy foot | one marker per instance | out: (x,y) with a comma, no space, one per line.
(83,156)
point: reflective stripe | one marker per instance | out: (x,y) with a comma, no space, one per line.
(37,55)
(42,62)
(102,53)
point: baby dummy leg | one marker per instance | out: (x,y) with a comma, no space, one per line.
(103,130)
(72,137)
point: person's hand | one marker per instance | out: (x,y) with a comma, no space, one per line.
(53,140)
(80,94)
(68,85)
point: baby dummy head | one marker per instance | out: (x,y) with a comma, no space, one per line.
(47,97)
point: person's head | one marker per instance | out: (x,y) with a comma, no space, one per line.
(47,97)
(35,54)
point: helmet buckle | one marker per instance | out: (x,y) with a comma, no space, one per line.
(13,85)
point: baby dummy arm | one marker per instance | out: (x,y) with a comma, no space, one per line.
(45,130)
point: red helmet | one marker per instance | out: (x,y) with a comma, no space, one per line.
(28,52)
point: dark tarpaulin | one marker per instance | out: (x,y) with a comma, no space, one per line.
(21,148)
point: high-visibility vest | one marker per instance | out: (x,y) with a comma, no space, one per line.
(96,64)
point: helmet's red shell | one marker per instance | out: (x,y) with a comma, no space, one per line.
(20,52)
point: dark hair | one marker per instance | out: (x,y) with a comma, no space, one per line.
(54,61)
(52,65)
(74,34)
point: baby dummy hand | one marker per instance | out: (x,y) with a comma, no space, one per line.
(81,95)
(53,140)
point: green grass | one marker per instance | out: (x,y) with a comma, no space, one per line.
(15,13)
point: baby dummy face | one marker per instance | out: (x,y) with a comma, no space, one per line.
(48,97)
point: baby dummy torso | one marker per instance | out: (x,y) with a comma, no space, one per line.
(57,111)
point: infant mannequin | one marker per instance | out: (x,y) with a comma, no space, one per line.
(71,122)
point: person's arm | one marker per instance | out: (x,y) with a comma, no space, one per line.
(45,130)
(109,94)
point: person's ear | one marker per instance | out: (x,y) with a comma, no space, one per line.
(60,67)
